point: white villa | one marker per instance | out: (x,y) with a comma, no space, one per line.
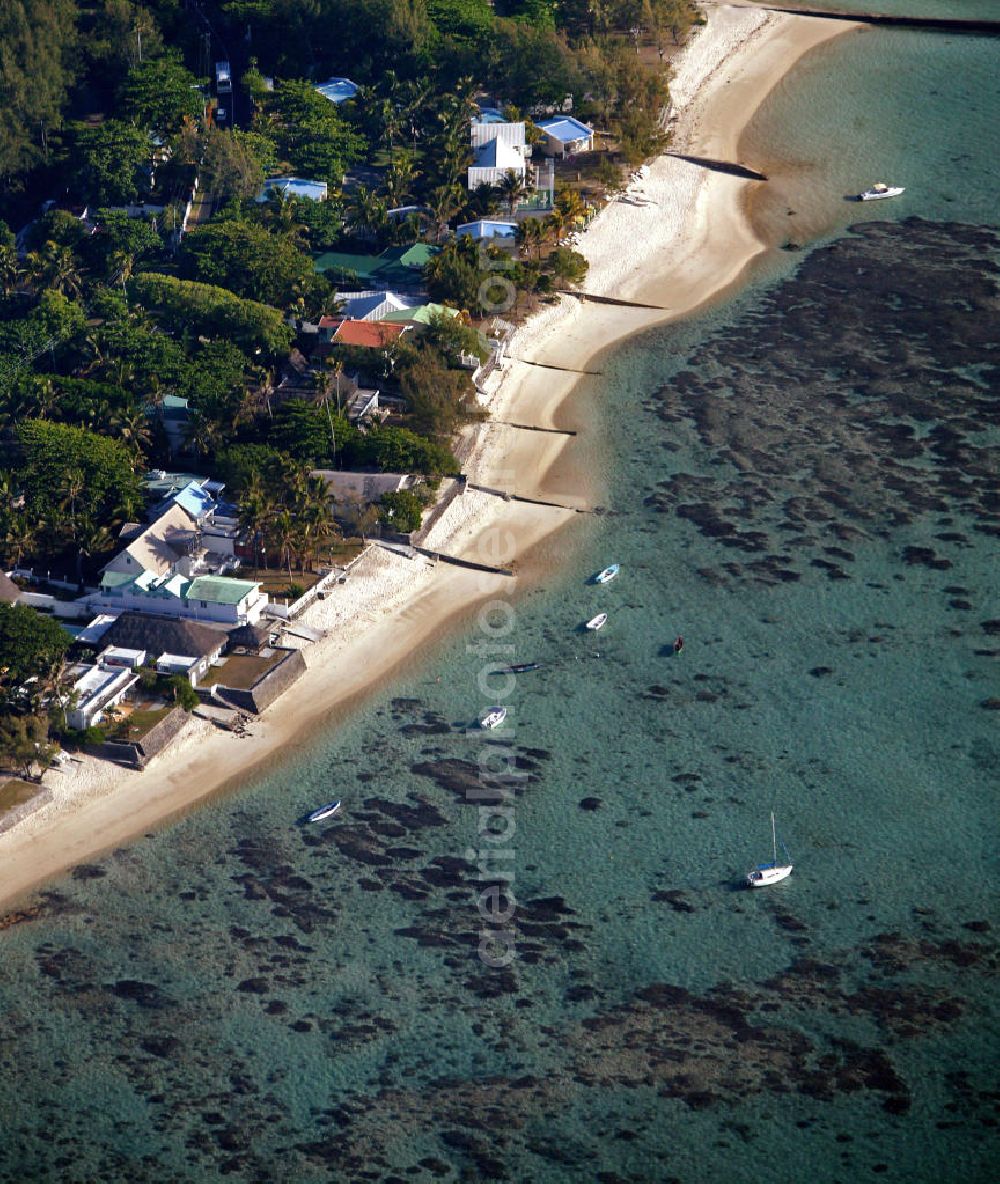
(219,599)
(565,136)
(94,690)
(498,148)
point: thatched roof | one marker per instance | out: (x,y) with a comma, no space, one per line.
(9,591)
(163,635)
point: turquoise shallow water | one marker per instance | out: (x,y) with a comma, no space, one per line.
(803,485)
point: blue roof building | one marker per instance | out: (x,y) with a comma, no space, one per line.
(294,187)
(338,90)
(565,135)
(487,229)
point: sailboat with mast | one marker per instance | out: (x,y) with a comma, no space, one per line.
(770,873)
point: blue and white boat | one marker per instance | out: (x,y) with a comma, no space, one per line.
(493,718)
(324,811)
(609,573)
(770,873)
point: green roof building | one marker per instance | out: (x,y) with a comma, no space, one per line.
(394,267)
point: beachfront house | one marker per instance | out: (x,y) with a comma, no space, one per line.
(566,136)
(173,647)
(219,599)
(294,187)
(158,548)
(352,493)
(168,570)
(94,690)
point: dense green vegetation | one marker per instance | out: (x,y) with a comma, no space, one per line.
(149,285)
(105,106)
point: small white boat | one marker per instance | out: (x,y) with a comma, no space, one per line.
(609,573)
(493,718)
(324,811)
(770,873)
(880,190)
(598,622)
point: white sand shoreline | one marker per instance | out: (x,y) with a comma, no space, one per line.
(678,238)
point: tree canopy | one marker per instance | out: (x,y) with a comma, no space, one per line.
(33,646)
(72,477)
(215,312)
(36,43)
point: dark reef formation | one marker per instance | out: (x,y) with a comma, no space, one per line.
(859,396)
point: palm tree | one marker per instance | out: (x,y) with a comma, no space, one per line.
(570,205)
(44,397)
(92,539)
(531,235)
(19,537)
(74,485)
(131,423)
(512,188)
(10,269)
(55,266)
(398,182)
(367,212)
(286,533)
(281,214)
(444,203)
(256,510)
(314,515)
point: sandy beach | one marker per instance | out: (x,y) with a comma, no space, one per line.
(677,238)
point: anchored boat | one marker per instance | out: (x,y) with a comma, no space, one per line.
(598,622)
(880,190)
(324,811)
(493,718)
(770,873)
(609,573)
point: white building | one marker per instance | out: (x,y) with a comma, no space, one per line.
(167,569)
(216,599)
(498,149)
(96,688)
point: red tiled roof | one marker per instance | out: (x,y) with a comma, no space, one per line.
(326,322)
(370,334)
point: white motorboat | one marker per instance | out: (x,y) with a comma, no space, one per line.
(880,190)
(598,622)
(765,874)
(493,718)
(324,811)
(609,573)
